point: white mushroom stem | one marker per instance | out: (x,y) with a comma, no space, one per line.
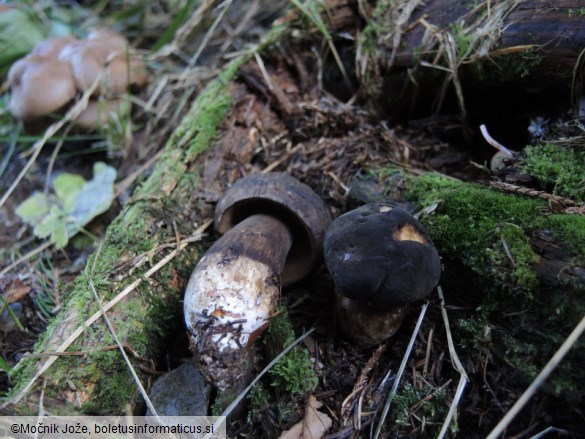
(232,293)
(489,139)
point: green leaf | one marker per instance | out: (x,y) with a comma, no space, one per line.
(95,197)
(76,204)
(55,226)
(34,209)
(59,235)
(67,186)
(50,222)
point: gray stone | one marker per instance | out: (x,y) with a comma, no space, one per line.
(180,392)
(7,323)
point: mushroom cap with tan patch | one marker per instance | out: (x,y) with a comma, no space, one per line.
(39,86)
(381,256)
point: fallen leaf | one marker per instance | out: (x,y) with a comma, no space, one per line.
(75,203)
(313,426)
(16,291)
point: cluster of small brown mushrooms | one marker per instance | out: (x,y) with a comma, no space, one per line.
(46,82)
(275,230)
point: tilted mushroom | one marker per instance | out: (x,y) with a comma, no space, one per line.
(99,56)
(381,259)
(39,86)
(273,228)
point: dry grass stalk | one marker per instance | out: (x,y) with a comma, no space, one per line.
(400,370)
(360,385)
(568,205)
(539,380)
(456,364)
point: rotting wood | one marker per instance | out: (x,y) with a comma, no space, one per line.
(408,51)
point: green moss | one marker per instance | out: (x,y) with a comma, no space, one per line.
(477,225)
(569,229)
(508,67)
(476,334)
(427,403)
(486,229)
(260,399)
(463,41)
(113,393)
(576,12)
(375,27)
(562,169)
(294,373)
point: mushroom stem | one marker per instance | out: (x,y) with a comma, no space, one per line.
(366,324)
(233,291)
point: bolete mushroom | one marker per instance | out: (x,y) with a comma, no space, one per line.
(381,259)
(273,228)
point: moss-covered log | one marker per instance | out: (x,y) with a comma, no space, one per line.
(93,377)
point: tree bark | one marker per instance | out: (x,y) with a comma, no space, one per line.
(413,52)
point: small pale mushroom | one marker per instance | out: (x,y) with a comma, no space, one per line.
(51,47)
(273,228)
(119,69)
(39,86)
(110,37)
(381,259)
(100,112)
(47,80)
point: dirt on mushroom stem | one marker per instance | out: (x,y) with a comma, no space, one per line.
(232,294)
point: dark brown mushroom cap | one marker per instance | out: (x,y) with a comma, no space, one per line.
(381,255)
(284,197)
